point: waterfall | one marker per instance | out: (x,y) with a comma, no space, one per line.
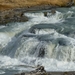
(43,40)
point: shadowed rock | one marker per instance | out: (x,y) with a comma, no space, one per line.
(45,14)
(70,3)
(41,52)
(39,71)
(12,16)
(63,42)
(53,11)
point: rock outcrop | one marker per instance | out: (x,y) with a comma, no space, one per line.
(39,71)
(12,16)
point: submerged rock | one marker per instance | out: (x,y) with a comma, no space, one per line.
(53,11)
(41,52)
(40,69)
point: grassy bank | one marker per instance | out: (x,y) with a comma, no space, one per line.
(10,4)
(18,7)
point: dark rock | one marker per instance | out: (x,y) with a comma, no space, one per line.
(70,3)
(45,14)
(53,11)
(17,74)
(12,16)
(63,42)
(22,73)
(41,52)
(39,71)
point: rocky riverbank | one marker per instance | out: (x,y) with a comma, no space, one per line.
(41,71)
(13,10)
(17,14)
(48,73)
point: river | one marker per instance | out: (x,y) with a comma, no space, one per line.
(43,40)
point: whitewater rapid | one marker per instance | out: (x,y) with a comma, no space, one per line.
(43,40)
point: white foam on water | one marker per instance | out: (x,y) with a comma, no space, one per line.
(37,18)
(68,14)
(44,31)
(51,63)
(26,47)
(56,65)
(73,7)
(16,28)
(14,64)
(7,62)
(58,17)
(2,27)
(4,39)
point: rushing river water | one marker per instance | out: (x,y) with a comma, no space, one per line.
(43,40)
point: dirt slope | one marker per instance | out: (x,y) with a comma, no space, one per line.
(9,4)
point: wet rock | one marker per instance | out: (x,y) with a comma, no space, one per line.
(63,42)
(39,71)
(65,73)
(53,11)
(21,74)
(12,16)
(45,14)
(41,52)
(70,3)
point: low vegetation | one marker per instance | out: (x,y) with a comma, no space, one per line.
(9,4)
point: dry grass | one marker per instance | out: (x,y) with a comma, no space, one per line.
(8,4)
